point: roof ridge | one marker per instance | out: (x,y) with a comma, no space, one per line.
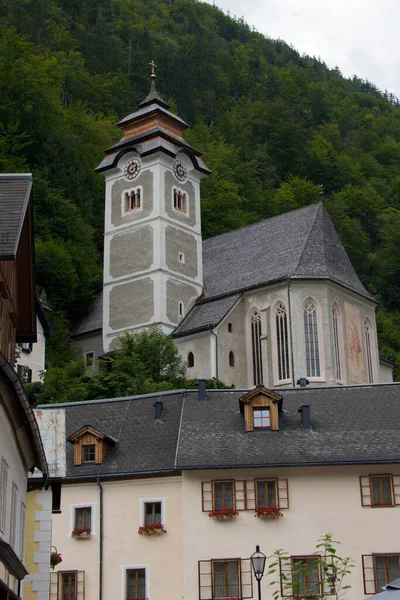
(319,205)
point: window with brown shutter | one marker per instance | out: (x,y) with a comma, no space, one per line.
(379,570)
(67,585)
(244,493)
(380,490)
(225,578)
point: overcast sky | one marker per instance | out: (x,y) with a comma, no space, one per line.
(358,36)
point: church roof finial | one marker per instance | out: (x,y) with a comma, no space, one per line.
(153,96)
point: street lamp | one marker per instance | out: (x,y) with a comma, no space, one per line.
(258,561)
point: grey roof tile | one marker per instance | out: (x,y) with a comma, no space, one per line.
(94,320)
(15,191)
(206,315)
(350,425)
(302,243)
(144,445)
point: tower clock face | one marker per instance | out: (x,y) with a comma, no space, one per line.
(132,168)
(180,171)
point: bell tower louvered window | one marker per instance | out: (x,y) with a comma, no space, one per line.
(256,347)
(282,342)
(311,339)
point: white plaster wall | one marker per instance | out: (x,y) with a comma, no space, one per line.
(385,373)
(123,546)
(322,500)
(17,474)
(52,431)
(35,360)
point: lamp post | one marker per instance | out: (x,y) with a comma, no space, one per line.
(258,561)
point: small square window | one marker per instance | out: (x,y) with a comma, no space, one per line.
(135,584)
(381,490)
(83,518)
(152,513)
(261,418)
(88,453)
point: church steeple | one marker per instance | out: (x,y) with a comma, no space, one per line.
(153,249)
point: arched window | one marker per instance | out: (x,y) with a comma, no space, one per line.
(190,360)
(231,359)
(282,342)
(337,341)
(311,339)
(180,200)
(368,349)
(132,200)
(256,347)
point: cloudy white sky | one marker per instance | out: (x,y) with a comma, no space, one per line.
(358,36)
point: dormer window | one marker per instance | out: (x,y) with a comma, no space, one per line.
(90,446)
(261,409)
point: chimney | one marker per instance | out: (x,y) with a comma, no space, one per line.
(158,405)
(303,382)
(202,385)
(305,416)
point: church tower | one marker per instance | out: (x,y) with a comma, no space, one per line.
(152,248)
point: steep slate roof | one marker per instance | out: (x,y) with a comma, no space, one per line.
(144,445)
(301,244)
(94,320)
(15,191)
(205,315)
(350,425)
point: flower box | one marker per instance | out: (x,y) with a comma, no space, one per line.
(272,512)
(152,529)
(81,533)
(223,514)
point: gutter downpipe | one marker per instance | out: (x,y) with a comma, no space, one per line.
(101,540)
(290,334)
(216,352)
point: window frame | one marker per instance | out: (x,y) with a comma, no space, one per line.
(13,515)
(85,519)
(62,574)
(379,476)
(369,350)
(206,582)
(386,556)
(320,340)
(231,359)
(266,480)
(144,501)
(190,360)
(137,192)
(261,409)
(256,346)
(223,482)
(226,561)
(90,505)
(305,557)
(124,578)
(338,342)
(3,493)
(281,343)
(85,461)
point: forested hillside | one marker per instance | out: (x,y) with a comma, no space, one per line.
(274,126)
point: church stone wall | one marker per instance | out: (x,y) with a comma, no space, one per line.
(132,304)
(145,181)
(235,342)
(201,349)
(178,292)
(90,343)
(177,241)
(188,218)
(131,251)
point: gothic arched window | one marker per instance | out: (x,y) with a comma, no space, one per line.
(311,339)
(368,349)
(337,340)
(282,342)
(190,360)
(256,347)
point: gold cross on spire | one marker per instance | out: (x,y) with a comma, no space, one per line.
(153,66)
